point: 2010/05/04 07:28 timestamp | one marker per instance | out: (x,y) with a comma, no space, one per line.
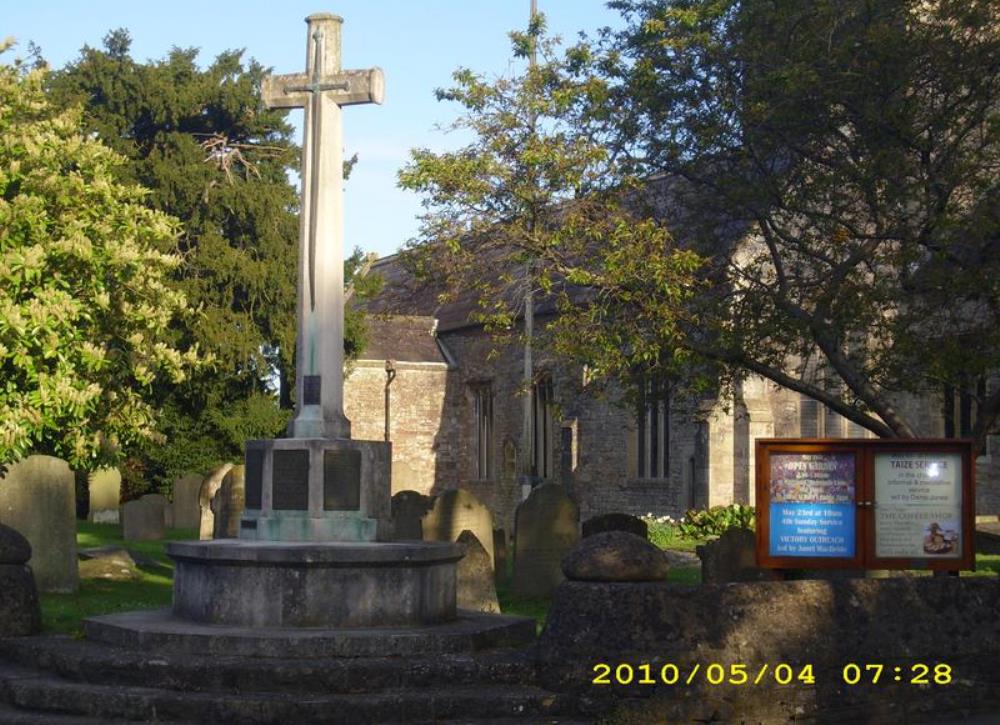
(739,674)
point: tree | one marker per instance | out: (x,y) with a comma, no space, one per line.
(535,202)
(86,306)
(201,140)
(855,145)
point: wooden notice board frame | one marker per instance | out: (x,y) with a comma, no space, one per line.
(865,451)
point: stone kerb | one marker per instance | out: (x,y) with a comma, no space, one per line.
(455,511)
(546,527)
(38,498)
(187,513)
(826,624)
(105,486)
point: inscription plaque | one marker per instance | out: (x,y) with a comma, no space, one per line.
(254,477)
(310,389)
(342,480)
(290,480)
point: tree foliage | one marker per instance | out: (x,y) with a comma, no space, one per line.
(535,202)
(856,145)
(86,305)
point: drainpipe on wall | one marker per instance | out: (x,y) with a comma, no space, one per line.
(390,375)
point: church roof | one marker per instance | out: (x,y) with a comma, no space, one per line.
(402,338)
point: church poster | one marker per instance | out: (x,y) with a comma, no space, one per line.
(812,510)
(918,505)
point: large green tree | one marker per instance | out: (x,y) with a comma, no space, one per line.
(536,207)
(856,145)
(214,157)
(86,304)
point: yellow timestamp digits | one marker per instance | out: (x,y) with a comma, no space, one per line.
(714,674)
(917,673)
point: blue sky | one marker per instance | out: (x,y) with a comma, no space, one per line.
(418,43)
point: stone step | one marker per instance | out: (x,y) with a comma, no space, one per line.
(95,663)
(40,692)
(14,716)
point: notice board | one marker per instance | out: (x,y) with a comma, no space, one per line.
(865,503)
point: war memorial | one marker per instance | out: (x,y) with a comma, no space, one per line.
(320,609)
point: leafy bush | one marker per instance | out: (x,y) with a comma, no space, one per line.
(703,523)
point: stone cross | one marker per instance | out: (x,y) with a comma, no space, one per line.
(321,91)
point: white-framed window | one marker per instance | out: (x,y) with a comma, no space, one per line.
(482,401)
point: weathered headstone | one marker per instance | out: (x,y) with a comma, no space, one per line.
(731,558)
(209,487)
(228,504)
(455,511)
(408,508)
(143,519)
(111,563)
(158,499)
(615,556)
(20,613)
(476,589)
(37,497)
(187,514)
(615,522)
(500,555)
(105,485)
(546,527)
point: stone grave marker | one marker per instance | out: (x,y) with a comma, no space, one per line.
(476,589)
(105,486)
(209,487)
(38,498)
(143,519)
(187,514)
(732,558)
(546,527)
(500,555)
(159,500)
(455,511)
(20,614)
(228,504)
(408,508)
(615,522)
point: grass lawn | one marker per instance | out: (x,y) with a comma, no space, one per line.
(64,612)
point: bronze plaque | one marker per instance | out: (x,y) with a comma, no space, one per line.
(290,480)
(311,389)
(254,477)
(342,480)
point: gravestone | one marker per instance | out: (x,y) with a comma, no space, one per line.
(732,558)
(228,504)
(615,556)
(209,487)
(408,508)
(105,486)
(500,555)
(111,563)
(143,519)
(20,613)
(38,498)
(615,522)
(455,511)
(476,589)
(160,501)
(187,514)
(546,527)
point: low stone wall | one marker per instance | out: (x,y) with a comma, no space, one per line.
(898,623)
